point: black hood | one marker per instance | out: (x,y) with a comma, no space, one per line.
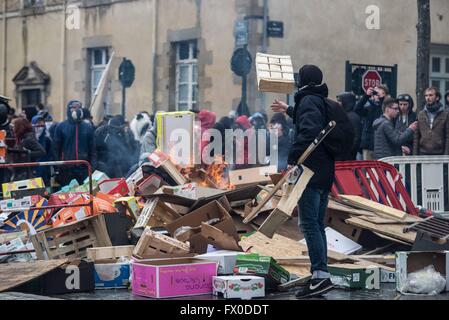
(445,99)
(309,75)
(348,101)
(321,90)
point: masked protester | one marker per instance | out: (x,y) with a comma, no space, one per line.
(348,102)
(446,99)
(74,140)
(115,148)
(40,132)
(309,119)
(432,136)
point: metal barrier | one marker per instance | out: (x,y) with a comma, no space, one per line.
(56,163)
(426,179)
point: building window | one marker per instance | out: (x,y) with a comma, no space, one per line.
(27,4)
(186,75)
(98,61)
(439,68)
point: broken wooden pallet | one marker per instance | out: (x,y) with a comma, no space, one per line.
(375,207)
(390,230)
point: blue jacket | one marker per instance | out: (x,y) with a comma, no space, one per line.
(74,140)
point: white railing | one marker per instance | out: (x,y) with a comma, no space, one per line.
(426,179)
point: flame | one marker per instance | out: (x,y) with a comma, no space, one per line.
(216,173)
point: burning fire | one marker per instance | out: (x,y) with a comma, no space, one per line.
(216,173)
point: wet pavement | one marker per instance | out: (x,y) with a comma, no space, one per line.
(387,292)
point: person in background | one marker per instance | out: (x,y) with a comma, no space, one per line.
(279,124)
(39,127)
(139,126)
(115,148)
(348,101)
(5,123)
(406,117)
(87,118)
(74,140)
(26,141)
(29,112)
(389,142)
(432,136)
(207,119)
(369,108)
(446,99)
(259,124)
(242,158)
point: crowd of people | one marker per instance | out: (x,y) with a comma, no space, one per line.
(115,146)
(384,126)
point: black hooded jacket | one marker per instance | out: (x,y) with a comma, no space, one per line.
(369,111)
(348,101)
(309,117)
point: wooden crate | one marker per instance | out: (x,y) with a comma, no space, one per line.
(155,213)
(107,253)
(71,241)
(153,244)
(275,73)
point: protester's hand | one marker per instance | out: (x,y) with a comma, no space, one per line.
(279,106)
(370,92)
(414,126)
(290,167)
(406,150)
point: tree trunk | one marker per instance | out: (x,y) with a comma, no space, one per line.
(423,52)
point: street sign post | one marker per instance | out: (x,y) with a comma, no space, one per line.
(127,75)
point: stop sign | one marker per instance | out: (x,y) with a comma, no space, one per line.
(371,79)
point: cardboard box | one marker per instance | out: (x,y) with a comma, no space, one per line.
(387,276)
(226,260)
(213,210)
(173,277)
(130,204)
(338,242)
(409,262)
(355,277)
(156,213)
(246,177)
(266,267)
(114,186)
(149,185)
(169,125)
(275,73)
(161,160)
(30,186)
(31,220)
(74,277)
(239,287)
(155,244)
(112,274)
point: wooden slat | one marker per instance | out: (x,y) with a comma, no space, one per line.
(374,206)
(109,252)
(394,231)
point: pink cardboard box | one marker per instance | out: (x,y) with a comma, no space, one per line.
(170,278)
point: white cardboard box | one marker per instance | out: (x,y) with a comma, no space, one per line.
(409,262)
(226,260)
(239,287)
(339,243)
